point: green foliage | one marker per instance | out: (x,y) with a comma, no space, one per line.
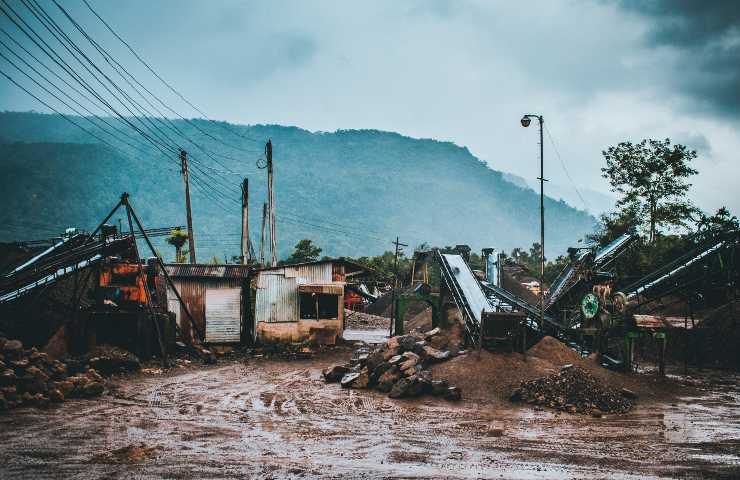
(304,251)
(177,238)
(651,177)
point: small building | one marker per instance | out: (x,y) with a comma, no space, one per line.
(301,302)
(217,297)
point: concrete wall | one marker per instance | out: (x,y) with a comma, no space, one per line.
(294,332)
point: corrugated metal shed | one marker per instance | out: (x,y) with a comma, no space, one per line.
(210,294)
(277,297)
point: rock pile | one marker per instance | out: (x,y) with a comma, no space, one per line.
(573,390)
(30,377)
(398,367)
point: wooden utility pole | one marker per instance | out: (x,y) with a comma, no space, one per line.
(262,234)
(245,257)
(395,286)
(191,233)
(271,205)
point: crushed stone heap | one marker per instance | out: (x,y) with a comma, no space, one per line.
(574,390)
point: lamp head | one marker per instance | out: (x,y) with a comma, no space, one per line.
(526,121)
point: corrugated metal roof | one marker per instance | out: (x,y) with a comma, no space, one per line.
(207,271)
(353,266)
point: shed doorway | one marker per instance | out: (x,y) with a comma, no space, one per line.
(223,315)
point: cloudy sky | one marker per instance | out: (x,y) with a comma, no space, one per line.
(600,71)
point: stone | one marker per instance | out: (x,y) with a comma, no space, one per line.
(37,373)
(396,360)
(7,377)
(410,363)
(406,343)
(411,355)
(378,372)
(388,379)
(13,348)
(348,379)
(440,342)
(627,393)
(566,366)
(93,389)
(335,373)
(392,343)
(389,353)
(434,355)
(362,380)
(373,360)
(65,386)
(109,359)
(56,396)
(431,333)
(439,387)
(39,400)
(400,388)
(453,393)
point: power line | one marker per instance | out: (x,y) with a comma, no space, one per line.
(133,52)
(565,169)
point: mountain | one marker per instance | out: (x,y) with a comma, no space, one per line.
(350,191)
(596,202)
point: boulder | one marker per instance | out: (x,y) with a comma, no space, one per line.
(373,360)
(109,359)
(56,396)
(335,373)
(93,389)
(348,379)
(388,379)
(453,393)
(13,348)
(439,387)
(396,359)
(378,371)
(434,355)
(431,333)
(406,343)
(362,380)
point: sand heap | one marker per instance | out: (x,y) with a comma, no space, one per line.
(573,390)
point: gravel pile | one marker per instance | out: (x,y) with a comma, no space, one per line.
(399,367)
(574,390)
(30,377)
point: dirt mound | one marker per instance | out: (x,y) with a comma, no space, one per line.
(421,322)
(109,359)
(364,321)
(573,390)
(487,376)
(554,351)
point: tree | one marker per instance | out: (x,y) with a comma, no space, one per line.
(177,239)
(304,251)
(721,221)
(651,177)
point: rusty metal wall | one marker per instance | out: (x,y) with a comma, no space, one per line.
(193,293)
(277,298)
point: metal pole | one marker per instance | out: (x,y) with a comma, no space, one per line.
(542,227)
(245,258)
(191,233)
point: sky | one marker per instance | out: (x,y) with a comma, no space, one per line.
(599,71)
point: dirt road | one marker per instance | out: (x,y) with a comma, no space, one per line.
(259,418)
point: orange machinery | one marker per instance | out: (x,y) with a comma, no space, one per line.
(123,283)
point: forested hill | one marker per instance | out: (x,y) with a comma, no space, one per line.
(351,191)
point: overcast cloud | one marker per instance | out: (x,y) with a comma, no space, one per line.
(600,72)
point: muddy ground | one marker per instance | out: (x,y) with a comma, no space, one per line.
(272,418)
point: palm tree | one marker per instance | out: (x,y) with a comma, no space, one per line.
(177,239)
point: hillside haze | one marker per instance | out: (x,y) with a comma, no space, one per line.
(351,191)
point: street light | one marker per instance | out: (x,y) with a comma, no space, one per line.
(526,120)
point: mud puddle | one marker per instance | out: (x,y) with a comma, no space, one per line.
(263,418)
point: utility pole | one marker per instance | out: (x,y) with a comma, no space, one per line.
(245,257)
(262,234)
(191,233)
(271,204)
(398,244)
(525,121)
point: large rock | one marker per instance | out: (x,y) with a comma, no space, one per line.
(388,379)
(439,387)
(335,373)
(362,380)
(13,348)
(434,355)
(406,343)
(349,379)
(109,359)
(373,360)
(453,393)
(378,372)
